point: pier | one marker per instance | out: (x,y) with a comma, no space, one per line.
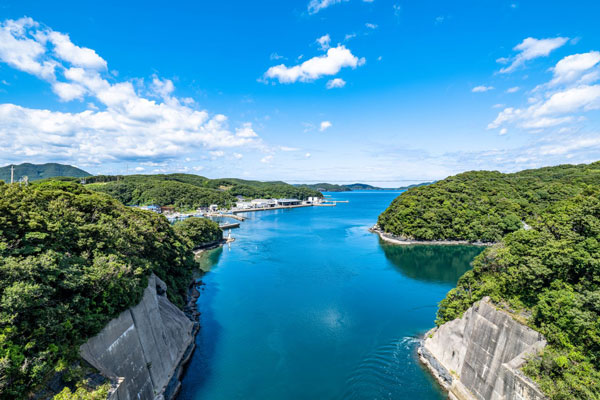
(231,225)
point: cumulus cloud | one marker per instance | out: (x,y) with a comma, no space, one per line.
(576,67)
(371,26)
(572,91)
(120,122)
(336,83)
(325,125)
(514,89)
(324,42)
(529,49)
(481,89)
(316,67)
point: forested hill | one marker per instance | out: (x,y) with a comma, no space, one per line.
(70,261)
(548,277)
(41,171)
(484,205)
(186,191)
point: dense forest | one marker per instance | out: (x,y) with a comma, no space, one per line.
(41,171)
(70,260)
(544,269)
(482,205)
(549,277)
(185,191)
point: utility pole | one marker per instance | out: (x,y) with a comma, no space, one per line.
(12,174)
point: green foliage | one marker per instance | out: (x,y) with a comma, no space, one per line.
(552,270)
(84,393)
(482,205)
(41,171)
(187,192)
(198,231)
(71,260)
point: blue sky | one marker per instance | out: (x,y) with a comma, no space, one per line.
(380,91)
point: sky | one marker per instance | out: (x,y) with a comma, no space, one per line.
(388,92)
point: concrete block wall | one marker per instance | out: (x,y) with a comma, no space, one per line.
(143,346)
(479,356)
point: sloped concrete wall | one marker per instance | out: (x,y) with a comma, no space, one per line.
(479,356)
(143,347)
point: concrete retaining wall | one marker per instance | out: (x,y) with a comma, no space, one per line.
(479,356)
(143,347)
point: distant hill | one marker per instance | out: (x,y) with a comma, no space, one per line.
(41,171)
(331,187)
(416,185)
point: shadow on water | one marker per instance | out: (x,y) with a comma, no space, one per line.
(199,369)
(434,263)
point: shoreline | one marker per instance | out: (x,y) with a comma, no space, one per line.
(387,237)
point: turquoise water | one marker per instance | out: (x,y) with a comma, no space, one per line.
(307,304)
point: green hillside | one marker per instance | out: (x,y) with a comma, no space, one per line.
(548,277)
(36,172)
(484,205)
(70,261)
(185,191)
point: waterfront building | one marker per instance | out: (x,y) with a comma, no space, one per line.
(288,202)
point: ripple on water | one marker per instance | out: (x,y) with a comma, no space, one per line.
(386,373)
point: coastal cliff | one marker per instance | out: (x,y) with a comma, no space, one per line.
(479,356)
(144,349)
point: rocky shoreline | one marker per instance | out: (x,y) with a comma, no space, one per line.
(388,237)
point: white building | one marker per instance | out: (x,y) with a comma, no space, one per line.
(263,203)
(288,202)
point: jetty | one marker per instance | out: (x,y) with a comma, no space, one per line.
(231,225)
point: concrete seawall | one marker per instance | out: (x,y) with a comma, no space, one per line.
(479,356)
(143,349)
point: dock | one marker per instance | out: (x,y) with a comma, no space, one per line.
(231,225)
(222,215)
(269,208)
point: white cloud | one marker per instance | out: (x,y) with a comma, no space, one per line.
(503,131)
(119,124)
(349,36)
(481,89)
(307,155)
(246,131)
(574,67)
(325,125)
(23,51)
(139,169)
(310,70)
(324,42)
(512,89)
(275,56)
(371,26)
(552,111)
(317,5)
(266,159)
(287,148)
(216,153)
(238,156)
(531,48)
(77,56)
(336,83)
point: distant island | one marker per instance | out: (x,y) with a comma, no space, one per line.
(35,172)
(332,187)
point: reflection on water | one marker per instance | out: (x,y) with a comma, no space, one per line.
(209,258)
(307,304)
(431,263)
